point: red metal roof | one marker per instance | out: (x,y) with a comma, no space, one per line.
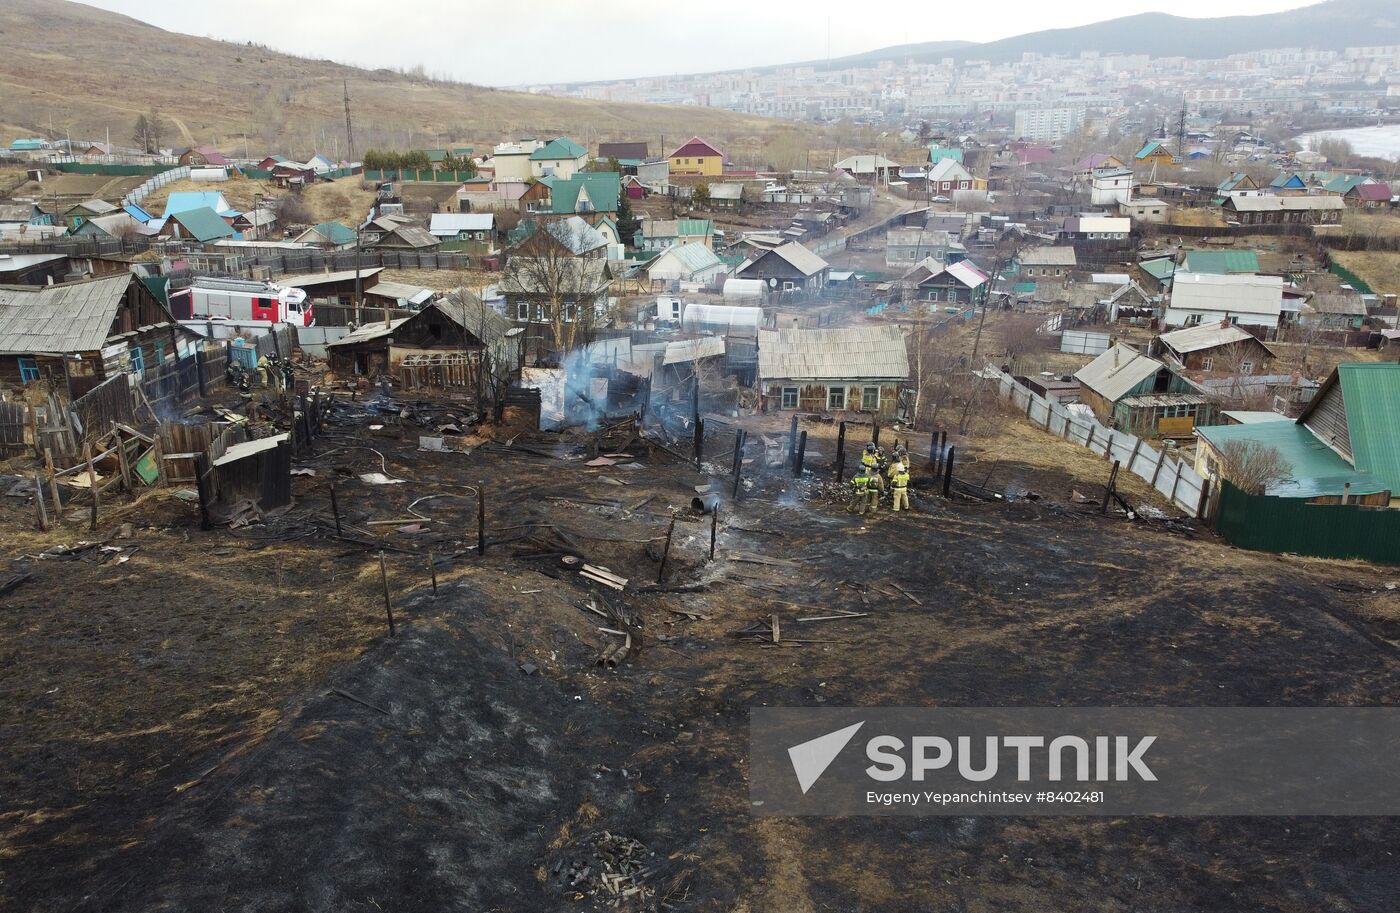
(696,146)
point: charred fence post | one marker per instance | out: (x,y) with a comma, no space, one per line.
(714,530)
(666,552)
(948,474)
(699,442)
(384,578)
(201,485)
(44,516)
(840,451)
(432,570)
(1111,487)
(92,483)
(933,450)
(801,455)
(335,511)
(741,438)
(792,440)
(481,519)
(875,431)
(199,371)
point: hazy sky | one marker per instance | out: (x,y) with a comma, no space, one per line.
(499,44)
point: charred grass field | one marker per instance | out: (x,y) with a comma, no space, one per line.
(221,722)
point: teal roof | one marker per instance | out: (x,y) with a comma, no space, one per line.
(937,153)
(1221,261)
(27,145)
(1315,469)
(1161,269)
(1370,392)
(1148,149)
(334,232)
(203,224)
(557,150)
(1287,180)
(185,200)
(1343,183)
(689,227)
(602,190)
(1232,182)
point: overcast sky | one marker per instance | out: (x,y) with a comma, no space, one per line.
(499,44)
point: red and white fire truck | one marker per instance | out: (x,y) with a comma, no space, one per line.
(242,301)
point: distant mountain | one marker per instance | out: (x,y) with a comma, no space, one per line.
(67,68)
(1325,26)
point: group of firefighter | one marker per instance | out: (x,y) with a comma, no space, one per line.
(879,473)
(272,373)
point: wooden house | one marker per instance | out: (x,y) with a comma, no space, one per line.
(80,333)
(1139,394)
(851,370)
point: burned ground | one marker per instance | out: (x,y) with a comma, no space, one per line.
(220,722)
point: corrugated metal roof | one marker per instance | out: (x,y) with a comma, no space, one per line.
(1205,336)
(558,150)
(1314,468)
(1271,204)
(1221,261)
(849,353)
(185,200)
(1226,293)
(1253,416)
(368,333)
(446,224)
(71,317)
(1049,256)
(693,349)
(301,280)
(688,259)
(202,224)
(1117,371)
(800,258)
(1371,392)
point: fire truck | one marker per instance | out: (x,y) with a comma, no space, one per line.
(242,301)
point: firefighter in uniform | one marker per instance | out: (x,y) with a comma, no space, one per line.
(263,365)
(899,484)
(861,484)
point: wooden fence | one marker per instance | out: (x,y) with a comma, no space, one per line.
(1176,481)
(14,419)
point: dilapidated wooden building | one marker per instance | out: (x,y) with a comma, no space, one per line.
(847,370)
(80,333)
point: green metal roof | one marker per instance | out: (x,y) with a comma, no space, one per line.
(1161,269)
(1371,393)
(1221,261)
(558,150)
(334,232)
(602,190)
(690,227)
(1316,469)
(203,224)
(1343,183)
(937,153)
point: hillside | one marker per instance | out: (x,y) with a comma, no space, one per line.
(1326,26)
(85,70)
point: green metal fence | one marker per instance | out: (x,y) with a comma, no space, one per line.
(1350,278)
(418,174)
(113,169)
(1267,524)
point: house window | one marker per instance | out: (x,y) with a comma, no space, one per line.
(1207,364)
(160,351)
(933,294)
(1247,367)
(28,370)
(835,398)
(522,310)
(789,397)
(870,399)
(138,361)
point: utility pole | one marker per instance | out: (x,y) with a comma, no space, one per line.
(349,126)
(1181,131)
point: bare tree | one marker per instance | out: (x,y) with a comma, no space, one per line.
(1251,466)
(563,279)
(1020,336)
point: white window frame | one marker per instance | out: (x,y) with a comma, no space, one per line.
(1246,367)
(832,394)
(865,404)
(790,397)
(1207,364)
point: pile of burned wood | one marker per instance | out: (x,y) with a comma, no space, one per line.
(613,867)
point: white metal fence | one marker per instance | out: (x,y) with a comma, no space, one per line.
(1176,481)
(156,180)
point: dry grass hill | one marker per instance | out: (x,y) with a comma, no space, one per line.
(86,70)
